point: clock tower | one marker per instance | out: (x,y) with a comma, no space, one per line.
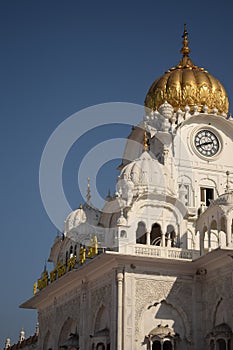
(152,270)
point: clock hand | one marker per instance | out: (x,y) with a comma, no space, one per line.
(206,143)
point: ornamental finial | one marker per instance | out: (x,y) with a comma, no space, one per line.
(185,49)
(88,196)
(145,142)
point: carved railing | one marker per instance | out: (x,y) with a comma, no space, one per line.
(167,253)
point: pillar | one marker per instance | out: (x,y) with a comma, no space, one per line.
(163,231)
(202,242)
(229,222)
(120,278)
(148,238)
(209,239)
(150,343)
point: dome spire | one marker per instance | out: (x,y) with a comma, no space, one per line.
(145,142)
(88,196)
(185,49)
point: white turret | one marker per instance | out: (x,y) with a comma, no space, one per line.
(7,343)
(22,335)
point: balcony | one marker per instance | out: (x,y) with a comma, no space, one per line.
(165,252)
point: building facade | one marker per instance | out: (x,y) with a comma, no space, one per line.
(153,269)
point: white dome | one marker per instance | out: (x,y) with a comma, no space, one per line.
(86,214)
(145,174)
(74,219)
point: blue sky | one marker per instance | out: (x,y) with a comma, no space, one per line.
(58,57)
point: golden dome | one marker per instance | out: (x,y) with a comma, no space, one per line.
(187,85)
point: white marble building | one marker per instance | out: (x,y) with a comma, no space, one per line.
(158,271)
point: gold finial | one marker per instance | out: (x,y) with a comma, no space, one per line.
(88,196)
(145,142)
(185,49)
(80,206)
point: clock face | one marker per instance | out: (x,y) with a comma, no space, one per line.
(206,143)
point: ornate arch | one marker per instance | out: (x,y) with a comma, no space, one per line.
(100,316)
(156,201)
(68,327)
(205,181)
(100,338)
(141,232)
(187,181)
(181,313)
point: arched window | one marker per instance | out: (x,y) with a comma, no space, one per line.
(100,346)
(75,250)
(141,233)
(221,344)
(220,337)
(155,234)
(123,234)
(167,345)
(162,345)
(162,338)
(156,345)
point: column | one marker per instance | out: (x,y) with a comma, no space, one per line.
(209,239)
(178,236)
(150,342)
(163,231)
(219,233)
(220,243)
(229,222)
(148,238)
(202,243)
(120,278)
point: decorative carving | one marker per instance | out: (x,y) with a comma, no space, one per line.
(154,291)
(166,110)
